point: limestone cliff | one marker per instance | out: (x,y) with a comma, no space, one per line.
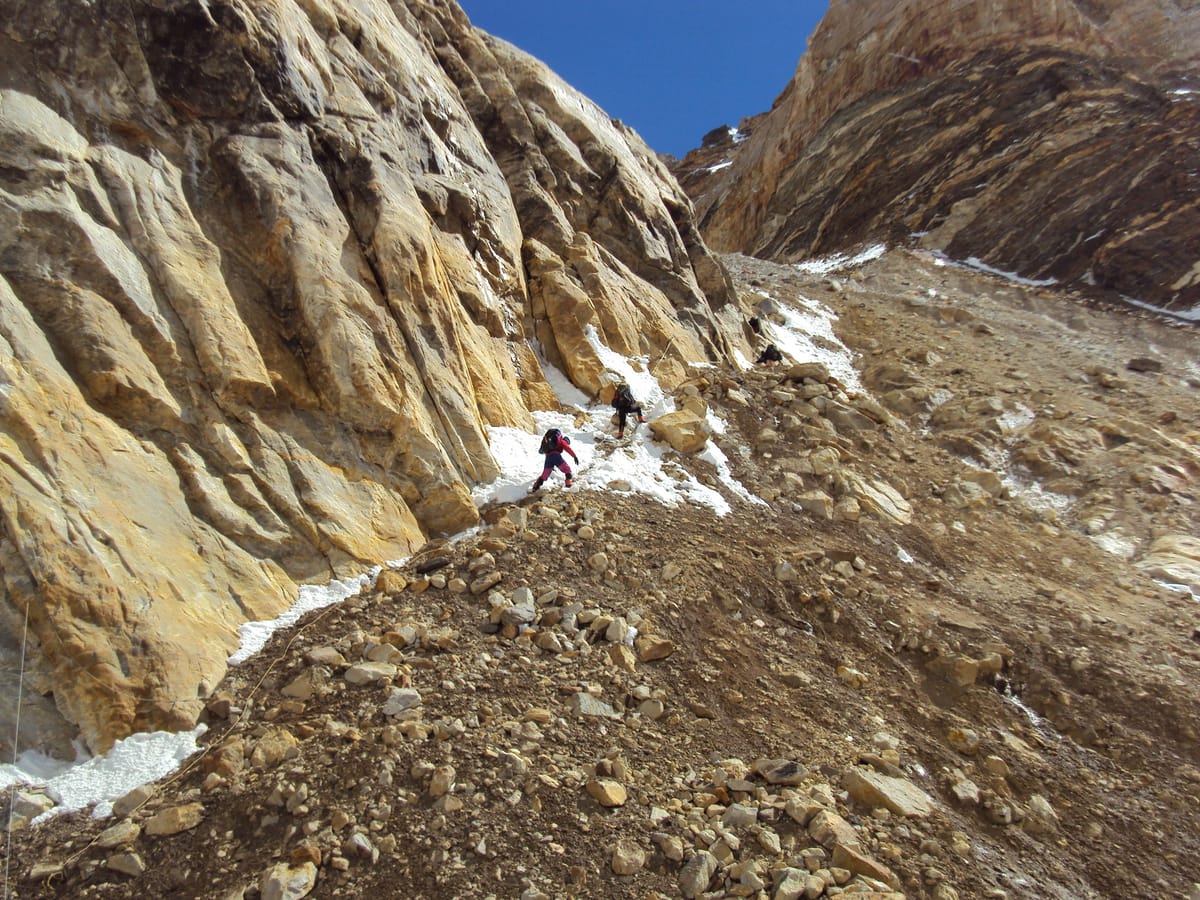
(267,272)
(1056,139)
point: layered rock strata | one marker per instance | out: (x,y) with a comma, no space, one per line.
(268,271)
(1056,140)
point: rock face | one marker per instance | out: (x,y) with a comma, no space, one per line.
(267,273)
(1050,139)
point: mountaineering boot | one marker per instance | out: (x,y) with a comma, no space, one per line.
(641,418)
(537,484)
(570,481)
(620,434)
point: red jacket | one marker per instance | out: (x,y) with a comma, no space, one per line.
(564,443)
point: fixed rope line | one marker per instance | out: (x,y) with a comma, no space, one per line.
(12,794)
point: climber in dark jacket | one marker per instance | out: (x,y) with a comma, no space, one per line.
(624,404)
(768,356)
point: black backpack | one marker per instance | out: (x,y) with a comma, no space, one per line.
(550,441)
(622,397)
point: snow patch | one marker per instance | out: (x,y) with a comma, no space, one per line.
(806,335)
(132,762)
(1178,588)
(839,261)
(980,266)
(150,755)
(1115,543)
(1184,315)
(1016,419)
(637,461)
(256,634)
(1039,724)
(714,455)
(1035,496)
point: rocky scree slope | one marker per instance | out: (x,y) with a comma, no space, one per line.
(907,676)
(1057,140)
(268,271)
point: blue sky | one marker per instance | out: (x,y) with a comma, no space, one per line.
(672,70)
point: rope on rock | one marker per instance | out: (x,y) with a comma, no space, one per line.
(12,793)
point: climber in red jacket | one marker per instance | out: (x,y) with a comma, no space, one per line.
(554,444)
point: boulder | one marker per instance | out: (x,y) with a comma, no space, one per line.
(899,795)
(880,498)
(288,881)
(175,819)
(1174,558)
(683,430)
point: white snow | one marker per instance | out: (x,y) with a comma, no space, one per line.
(979,265)
(714,455)
(636,373)
(839,261)
(807,335)
(719,166)
(1039,724)
(1016,419)
(1033,495)
(638,462)
(148,756)
(1186,315)
(1115,543)
(256,634)
(1177,588)
(134,761)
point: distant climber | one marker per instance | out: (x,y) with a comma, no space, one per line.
(554,444)
(624,404)
(770,356)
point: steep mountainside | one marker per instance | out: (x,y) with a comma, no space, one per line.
(939,662)
(1058,140)
(267,272)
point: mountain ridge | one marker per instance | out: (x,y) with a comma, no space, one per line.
(954,129)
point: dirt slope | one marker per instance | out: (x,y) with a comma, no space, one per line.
(1039,691)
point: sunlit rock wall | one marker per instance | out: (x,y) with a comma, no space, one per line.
(268,270)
